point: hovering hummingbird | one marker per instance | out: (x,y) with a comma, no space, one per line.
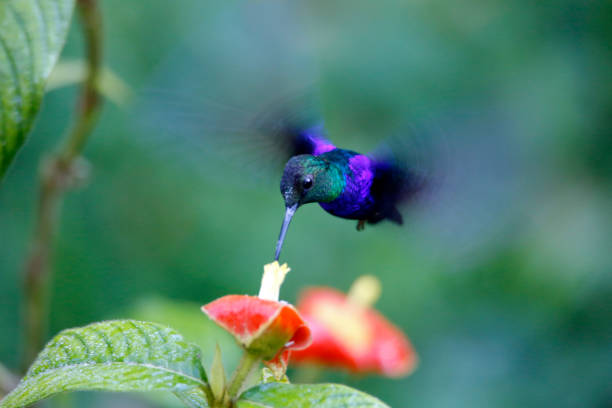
(346,184)
(368,188)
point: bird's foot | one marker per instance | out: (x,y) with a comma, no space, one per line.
(361,225)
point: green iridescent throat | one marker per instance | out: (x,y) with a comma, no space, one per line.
(328,179)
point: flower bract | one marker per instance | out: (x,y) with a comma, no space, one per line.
(263,327)
(352,336)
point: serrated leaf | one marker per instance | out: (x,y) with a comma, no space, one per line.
(119,355)
(187,318)
(32,34)
(277,395)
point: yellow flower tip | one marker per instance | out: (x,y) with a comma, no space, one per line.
(272,279)
(365,291)
(346,324)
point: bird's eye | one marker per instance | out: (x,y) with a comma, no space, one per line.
(307,182)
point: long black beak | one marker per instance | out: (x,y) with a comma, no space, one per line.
(289,211)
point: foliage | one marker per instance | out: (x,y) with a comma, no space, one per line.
(116,355)
(129,355)
(186,318)
(505,314)
(33,34)
(275,395)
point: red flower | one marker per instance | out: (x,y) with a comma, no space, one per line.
(348,334)
(263,327)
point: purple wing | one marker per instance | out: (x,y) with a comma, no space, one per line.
(307,141)
(293,126)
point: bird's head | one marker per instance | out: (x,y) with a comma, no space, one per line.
(307,179)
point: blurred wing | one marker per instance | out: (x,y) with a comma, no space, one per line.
(293,126)
(407,166)
(213,134)
(455,182)
(234,105)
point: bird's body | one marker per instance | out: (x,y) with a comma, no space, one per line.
(345,183)
(355,202)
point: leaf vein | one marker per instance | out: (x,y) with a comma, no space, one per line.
(81,340)
(32,70)
(42,26)
(14,77)
(144,336)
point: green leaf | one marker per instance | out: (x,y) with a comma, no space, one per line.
(32,34)
(187,318)
(217,375)
(194,398)
(120,355)
(277,395)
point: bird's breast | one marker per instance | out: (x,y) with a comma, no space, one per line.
(355,201)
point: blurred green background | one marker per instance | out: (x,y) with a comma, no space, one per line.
(503,284)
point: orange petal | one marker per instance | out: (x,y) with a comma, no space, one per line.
(262,326)
(352,337)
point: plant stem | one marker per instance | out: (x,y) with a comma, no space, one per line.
(90,100)
(58,173)
(248,361)
(210,398)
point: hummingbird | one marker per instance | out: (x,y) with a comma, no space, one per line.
(367,188)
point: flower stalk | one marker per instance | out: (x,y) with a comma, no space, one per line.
(247,363)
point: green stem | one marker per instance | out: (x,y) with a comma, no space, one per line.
(249,360)
(59,172)
(90,100)
(209,395)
